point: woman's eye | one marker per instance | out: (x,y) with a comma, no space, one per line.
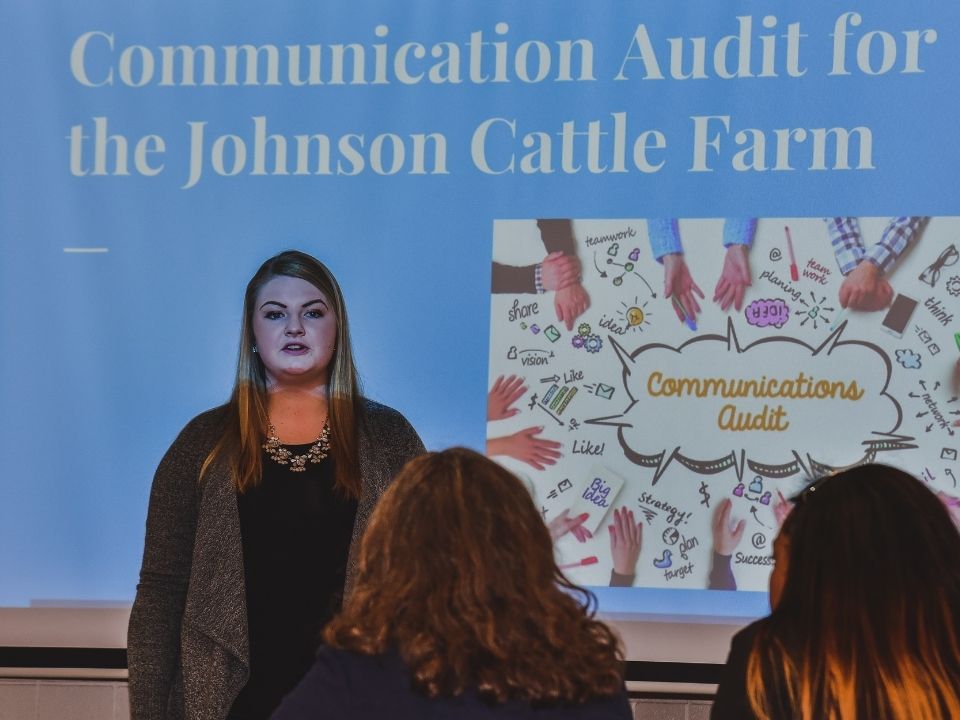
(273,315)
(314,314)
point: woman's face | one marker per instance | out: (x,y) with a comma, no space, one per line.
(295,330)
(781,553)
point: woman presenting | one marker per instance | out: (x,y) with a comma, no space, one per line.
(257,508)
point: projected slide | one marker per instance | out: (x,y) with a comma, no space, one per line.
(153,157)
(697,415)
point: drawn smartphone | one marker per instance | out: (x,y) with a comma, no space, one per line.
(899,315)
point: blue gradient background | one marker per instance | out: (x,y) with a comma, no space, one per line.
(106,356)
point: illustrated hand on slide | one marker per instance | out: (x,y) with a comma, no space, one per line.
(678,283)
(559,270)
(526,446)
(952,504)
(504,393)
(734,278)
(865,288)
(626,538)
(781,508)
(570,303)
(726,536)
(562,524)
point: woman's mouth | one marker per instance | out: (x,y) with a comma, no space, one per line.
(295,348)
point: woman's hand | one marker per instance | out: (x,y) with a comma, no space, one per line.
(563,523)
(504,393)
(678,283)
(781,508)
(726,537)
(952,504)
(570,302)
(626,538)
(559,270)
(734,278)
(526,446)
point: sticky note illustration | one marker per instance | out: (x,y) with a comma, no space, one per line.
(595,495)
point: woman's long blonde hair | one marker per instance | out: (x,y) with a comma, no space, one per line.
(868,624)
(240,445)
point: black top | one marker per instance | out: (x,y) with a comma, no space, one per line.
(731,702)
(345,685)
(296,531)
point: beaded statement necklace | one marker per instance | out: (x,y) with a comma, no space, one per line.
(298,463)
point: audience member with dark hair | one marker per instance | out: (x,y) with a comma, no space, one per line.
(459,611)
(866,609)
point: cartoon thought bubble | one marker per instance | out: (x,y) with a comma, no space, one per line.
(762,313)
(778,406)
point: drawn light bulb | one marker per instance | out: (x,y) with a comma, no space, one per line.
(634,316)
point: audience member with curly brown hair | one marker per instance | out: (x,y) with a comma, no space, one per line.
(459,611)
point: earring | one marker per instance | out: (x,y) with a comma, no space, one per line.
(253,347)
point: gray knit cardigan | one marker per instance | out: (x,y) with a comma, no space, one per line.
(187,645)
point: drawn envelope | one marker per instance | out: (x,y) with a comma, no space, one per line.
(595,495)
(605,391)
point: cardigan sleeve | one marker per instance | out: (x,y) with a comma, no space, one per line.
(394,437)
(153,635)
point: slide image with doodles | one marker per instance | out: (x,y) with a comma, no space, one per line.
(665,386)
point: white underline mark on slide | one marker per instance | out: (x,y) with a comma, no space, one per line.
(86,249)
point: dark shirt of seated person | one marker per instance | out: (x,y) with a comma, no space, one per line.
(866,609)
(459,611)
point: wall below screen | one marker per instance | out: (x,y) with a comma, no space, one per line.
(647,639)
(27,699)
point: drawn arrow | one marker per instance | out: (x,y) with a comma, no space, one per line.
(923,384)
(921,414)
(953,399)
(552,378)
(753,511)
(937,385)
(652,293)
(914,395)
(603,273)
(559,421)
(929,427)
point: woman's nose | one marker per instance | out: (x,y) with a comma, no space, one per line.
(294,326)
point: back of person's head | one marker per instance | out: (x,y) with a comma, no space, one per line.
(457,574)
(868,621)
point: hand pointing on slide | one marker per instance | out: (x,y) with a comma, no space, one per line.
(527,446)
(678,284)
(952,504)
(504,393)
(626,539)
(563,523)
(726,536)
(570,302)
